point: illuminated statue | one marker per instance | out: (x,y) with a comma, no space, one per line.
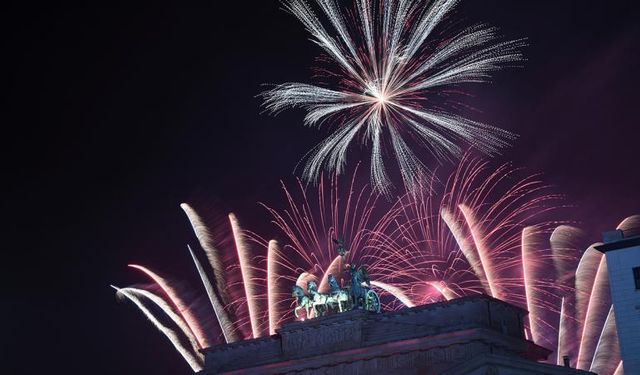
(357,295)
(362,296)
(302,300)
(339,296)
(319,301)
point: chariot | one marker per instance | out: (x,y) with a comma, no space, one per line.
(357,295)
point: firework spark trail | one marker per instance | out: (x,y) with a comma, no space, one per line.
(207,243)
(443,289)
(176,318)
(183,309)
(218,308)
(586,272)
(528,278)
(394,291)
(630,226)
(564,246)
(545,295)
(481,250)
(274,298)
(194,359)
(431,246)
(588,328)
(564,340)
(469,251)
(390,67)
(246,269)
(311,227)
(597,310)
(391,242)
(607,353)
(619,369)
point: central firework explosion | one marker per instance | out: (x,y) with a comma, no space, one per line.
(484,230)
(392,64)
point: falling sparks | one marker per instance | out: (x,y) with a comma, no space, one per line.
(392,65)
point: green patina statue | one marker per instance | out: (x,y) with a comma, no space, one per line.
(357,295)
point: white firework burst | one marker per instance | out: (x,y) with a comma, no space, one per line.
(391,65)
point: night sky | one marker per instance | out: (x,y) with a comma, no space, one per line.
(116,115)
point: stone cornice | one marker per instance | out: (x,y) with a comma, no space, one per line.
(331,340)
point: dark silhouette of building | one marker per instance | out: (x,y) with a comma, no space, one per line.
(475,335)
(623,266)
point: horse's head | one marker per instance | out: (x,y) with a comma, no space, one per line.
(350,267)
(363,274)
(312,287)
(342,250)
(333,282)
(297,292)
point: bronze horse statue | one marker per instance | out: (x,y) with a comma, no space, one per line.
(302,300)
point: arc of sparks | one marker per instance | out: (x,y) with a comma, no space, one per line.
(607,353)
(221,315)
(195,361)
(207,243)
(562,333)
(248,277)
(619,369)
(467,250)
(528,279)
(597,309)
(564,248)
(630,226)
(395,292)
(183,309)
(481,249)
(273,275)
(443,289)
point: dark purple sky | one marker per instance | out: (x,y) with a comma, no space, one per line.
(116,115)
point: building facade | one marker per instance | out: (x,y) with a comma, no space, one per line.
(623,265)
(475,335)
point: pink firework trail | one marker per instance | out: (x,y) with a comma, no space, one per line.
(464,237)
(484,230)
(312,223)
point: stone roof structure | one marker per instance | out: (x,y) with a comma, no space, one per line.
(469,335)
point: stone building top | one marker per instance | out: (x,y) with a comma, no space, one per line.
(431,337)
(621,242)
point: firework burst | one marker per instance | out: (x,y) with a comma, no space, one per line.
(485,230)
(391,67)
